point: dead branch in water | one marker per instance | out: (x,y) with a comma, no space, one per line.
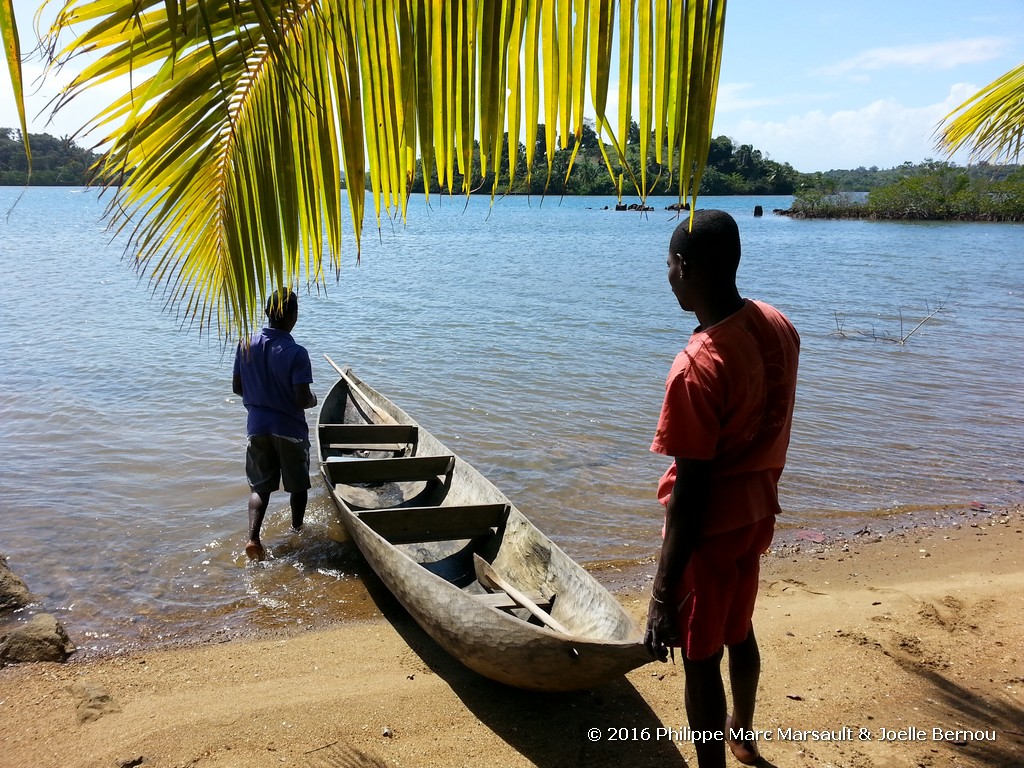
(901,339)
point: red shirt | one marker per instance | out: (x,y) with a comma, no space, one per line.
(729,400)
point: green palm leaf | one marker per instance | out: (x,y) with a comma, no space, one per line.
(12,50)
(229,150)
(991,123)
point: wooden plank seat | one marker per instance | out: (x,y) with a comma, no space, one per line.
(390,470)
(369,437)
(503,602)
(413,525)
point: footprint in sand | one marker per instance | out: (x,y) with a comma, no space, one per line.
(789,587)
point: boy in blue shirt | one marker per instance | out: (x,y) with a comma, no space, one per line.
(272,375)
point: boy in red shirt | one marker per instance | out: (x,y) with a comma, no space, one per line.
(726,420)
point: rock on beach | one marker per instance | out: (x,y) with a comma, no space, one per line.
(13,591)
(41,638)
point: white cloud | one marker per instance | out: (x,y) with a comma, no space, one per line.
(935,56)
(885,133)
(41,88)
(732,98)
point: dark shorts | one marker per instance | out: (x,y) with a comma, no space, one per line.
(271,460)
(719,588)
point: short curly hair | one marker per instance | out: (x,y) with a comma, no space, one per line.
(712,242)
(281,304)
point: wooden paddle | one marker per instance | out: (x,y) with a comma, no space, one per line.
(490,578)
(384,416)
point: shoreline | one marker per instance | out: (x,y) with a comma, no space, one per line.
(910,637)
(619,576)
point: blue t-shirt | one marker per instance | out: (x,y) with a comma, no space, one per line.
(270,370)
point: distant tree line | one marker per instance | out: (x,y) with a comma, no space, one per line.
(865,179)
(55,162)
(935,191)
(929,190)
(731,170)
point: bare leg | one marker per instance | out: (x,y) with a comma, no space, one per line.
(705,707)
(299,499)
(744,673)
(257,509)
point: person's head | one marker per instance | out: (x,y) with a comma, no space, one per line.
(703,258)
(282,309)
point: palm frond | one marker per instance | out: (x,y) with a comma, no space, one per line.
(227,152)
(990,124)
(12,51)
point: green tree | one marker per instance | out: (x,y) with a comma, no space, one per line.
(720,154)
(56,161)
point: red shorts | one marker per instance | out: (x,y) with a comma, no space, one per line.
(719,588)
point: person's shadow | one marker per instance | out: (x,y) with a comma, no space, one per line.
(607,726)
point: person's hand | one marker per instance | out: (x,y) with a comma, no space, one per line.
(662,630)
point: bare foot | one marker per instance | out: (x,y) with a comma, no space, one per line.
(255,551)
(743,750)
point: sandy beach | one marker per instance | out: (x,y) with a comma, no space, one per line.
(904,651)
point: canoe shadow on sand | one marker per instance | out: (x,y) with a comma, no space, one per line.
(548,729)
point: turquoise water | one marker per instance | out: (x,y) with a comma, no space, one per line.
(533,339)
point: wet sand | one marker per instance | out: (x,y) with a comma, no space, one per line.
(904,651)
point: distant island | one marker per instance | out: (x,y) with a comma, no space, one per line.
(55,162)
(928,190)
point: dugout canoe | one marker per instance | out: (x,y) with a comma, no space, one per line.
(467,565)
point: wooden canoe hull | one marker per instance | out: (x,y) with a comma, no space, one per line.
(435,581)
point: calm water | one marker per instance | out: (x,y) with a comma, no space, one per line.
(533,339)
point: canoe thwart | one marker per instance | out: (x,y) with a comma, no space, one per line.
(365,435)
(391,470)
(490,578)
(409,525)
(503,602)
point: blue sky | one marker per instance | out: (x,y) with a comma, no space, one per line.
(819,84)
(823,84)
